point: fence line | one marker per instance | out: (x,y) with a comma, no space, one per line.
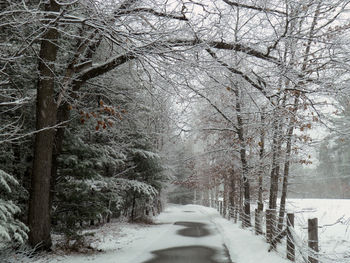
(286,242)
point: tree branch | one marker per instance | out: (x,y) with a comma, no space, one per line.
(105,67)
(101,69)
(151,11)
(222,45)
(261,9)
(238,72)
(214,106)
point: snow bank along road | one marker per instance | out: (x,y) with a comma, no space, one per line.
(183,234)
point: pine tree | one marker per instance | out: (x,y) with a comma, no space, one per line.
(12,231)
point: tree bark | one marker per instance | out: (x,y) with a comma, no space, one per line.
(274,170)
(133,207)
(286,171)
(232,194)
(39,204)
(261,168)
(287,163)
(260,208)
(243,155)
(226,190)
(276,150)
(284,187)
(62,116)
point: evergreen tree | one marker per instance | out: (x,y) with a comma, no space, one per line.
(326,167)
(12,231)
(108,165)
(180,192)
(334,154)
(79,198)
(148,171)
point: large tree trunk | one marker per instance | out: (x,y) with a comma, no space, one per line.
(62,116)
(39,204)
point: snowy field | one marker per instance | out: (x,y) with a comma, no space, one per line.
(333,221)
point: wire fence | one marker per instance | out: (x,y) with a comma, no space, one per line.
(297,245)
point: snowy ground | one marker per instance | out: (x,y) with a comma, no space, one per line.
(117,242)
(333,220)
(125,243)
(244,246)
(333,227)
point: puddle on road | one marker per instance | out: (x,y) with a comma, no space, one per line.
(190,254)
(193,229)
(189,211)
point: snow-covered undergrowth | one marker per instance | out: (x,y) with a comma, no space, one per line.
(12,230)
(113,242)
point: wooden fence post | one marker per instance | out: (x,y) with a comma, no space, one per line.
(270,221)
(290,240)
(313,239)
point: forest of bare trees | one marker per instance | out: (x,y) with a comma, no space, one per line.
(104,103)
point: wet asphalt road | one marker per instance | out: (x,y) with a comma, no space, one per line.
(194,251)
(189,254)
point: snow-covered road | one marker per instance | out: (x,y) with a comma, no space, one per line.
(192,237)
(182,234)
